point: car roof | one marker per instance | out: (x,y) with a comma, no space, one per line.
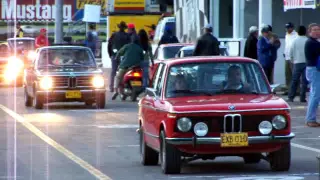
(63,46)
(175,44)
(191,47)
(23,38)
(199,59)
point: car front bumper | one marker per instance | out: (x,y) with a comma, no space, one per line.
(217,140)
(60,95)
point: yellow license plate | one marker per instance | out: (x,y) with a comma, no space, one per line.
(136,83)
(234,139)
(73,94)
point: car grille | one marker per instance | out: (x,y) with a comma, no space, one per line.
(241,123)
(72,82)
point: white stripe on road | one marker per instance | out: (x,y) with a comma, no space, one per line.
(92,110)
(305,147)
(121,146)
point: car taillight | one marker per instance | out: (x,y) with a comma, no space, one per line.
(136,74)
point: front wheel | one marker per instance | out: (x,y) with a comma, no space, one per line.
(280,160)
(170,157)
(101,101)
(38,102)
(27,99)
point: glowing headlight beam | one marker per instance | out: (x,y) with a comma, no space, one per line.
(46,83)
(98,82)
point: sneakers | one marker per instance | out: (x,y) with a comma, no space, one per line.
(312,124)
(115,95)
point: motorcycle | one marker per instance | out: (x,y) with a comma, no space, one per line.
(131,84)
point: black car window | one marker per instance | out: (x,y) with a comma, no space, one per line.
(66,57)
(22,44)
(170,51)
(172,26)
(160,81)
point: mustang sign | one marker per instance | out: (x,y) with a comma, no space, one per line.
(34,10)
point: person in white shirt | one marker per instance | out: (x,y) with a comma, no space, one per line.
(298,58)
(290,36)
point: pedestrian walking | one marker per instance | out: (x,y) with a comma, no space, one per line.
(274,51)
(298,59)
(147,51)
(115,43)
(250,49)
(290,36)
(207,44)
(42,40)
(92,38)
(312,53)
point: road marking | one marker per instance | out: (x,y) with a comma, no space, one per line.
(95,172)
(121,146)
(118,126)
(92,110)
(305,147)
(295,176)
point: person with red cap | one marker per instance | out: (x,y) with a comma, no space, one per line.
(132,29)
(42,39)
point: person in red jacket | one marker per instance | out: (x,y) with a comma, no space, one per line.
(42,39)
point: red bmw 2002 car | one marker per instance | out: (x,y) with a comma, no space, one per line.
(204,107)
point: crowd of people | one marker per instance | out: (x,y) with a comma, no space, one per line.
(302,61)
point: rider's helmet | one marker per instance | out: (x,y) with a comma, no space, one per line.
(131,26)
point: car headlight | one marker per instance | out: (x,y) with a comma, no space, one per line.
(32,55)
(46,83)
(184,124)
(98,82)
(279,122)
(13,69)
(201,129)
(265,127)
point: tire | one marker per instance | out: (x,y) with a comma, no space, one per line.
(148,156)
(27,99)
(101,101)
(252,158)
(170,157)
(38,102)
(280,160)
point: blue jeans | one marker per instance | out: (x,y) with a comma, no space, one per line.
(145,75)
(313,76)
(299,70)
(113,73)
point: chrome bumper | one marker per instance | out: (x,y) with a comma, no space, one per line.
(64,91)
(217,140)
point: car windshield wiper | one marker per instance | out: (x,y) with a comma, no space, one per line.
(192,92)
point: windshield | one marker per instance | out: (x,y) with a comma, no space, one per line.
(22,44)
(170,52)
(215,78)
(66,57)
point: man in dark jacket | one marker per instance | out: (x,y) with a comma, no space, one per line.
(168,37)
(250,49)
(312,53)
(207,44)
(132,55)
(115,43)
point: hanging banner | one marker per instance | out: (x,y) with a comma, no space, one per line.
(299,4)
(80,4)
(129,5)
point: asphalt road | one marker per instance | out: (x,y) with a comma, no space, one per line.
(72,141)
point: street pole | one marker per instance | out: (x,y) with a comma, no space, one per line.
(58,22)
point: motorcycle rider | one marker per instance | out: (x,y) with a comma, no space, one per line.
(116,42)
(132,56)
(42,39)
(132,29)
(19,31)
(168,37)
(207,44)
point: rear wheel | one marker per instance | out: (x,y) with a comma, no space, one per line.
(123,97)
(101,101)
(148,156)
(280,160)
(27,99)
(134,96)
(170,157)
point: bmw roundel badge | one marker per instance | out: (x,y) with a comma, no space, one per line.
(232,107)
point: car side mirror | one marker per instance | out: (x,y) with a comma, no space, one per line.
(274,88)
(151,92)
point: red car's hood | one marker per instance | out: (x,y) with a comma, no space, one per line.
(227,103)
